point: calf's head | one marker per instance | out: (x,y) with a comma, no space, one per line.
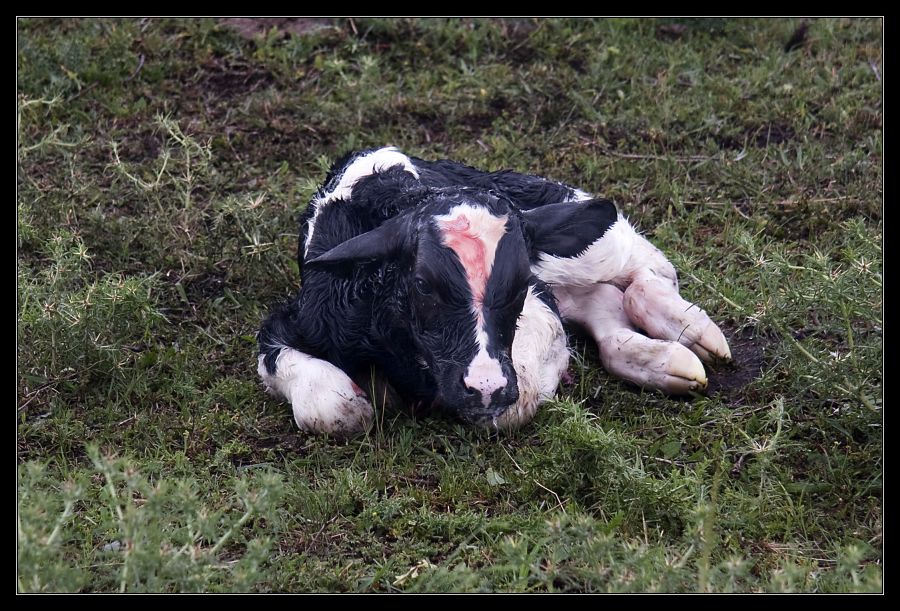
(464,259)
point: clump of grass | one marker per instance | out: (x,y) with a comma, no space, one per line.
(76,326)
(136,532)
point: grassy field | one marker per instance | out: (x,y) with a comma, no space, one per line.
(162,166)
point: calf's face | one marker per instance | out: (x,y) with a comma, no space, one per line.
(470,275)
(464,257)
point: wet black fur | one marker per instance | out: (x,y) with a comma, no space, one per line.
(379,289)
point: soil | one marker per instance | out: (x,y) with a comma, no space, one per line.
(287,26)
(748,363)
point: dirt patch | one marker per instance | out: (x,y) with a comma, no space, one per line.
(614,136)
(205,287)
(432,125)
(431,122)
(517,29)
(748,350)
(140,144)
(771,133)
(798,38)
(257,135)
(277,446)
(477,122)
(286,26)
(866,118)
(671,31)
(748,354)
(232,79)
(756,136)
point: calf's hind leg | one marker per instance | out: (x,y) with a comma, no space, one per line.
(611,280)
(622,257)
(625,353)
(654,304)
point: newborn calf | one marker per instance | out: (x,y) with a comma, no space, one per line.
(452,284)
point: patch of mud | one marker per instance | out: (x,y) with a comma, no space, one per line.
(671,31)
(771,133)
(232,79)
(278,445)
(205,287)
(726,381)
(433,125)
(756,136)
(748,362)
(141,146)
(257,28)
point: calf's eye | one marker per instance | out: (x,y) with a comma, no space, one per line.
(422,286)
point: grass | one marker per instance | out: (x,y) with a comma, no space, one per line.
(161,168)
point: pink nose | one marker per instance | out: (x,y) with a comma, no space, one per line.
(485,382)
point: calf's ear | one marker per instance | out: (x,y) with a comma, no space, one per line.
(567,229)
(386,241)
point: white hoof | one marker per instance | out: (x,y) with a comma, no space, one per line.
(712,345)
(654,305)
(340,413)
(324,399)
(650,363)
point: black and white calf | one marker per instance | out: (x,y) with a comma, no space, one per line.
(453,284)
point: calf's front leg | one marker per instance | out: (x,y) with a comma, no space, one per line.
(324,398)
(540,357)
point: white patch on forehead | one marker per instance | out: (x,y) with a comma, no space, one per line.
(366,165)
(473,234)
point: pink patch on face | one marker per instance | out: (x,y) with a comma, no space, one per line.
(470,250)
(473,234)
(460,223)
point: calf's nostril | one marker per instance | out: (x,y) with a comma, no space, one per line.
(469,391)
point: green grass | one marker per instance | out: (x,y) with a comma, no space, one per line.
(161,169)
